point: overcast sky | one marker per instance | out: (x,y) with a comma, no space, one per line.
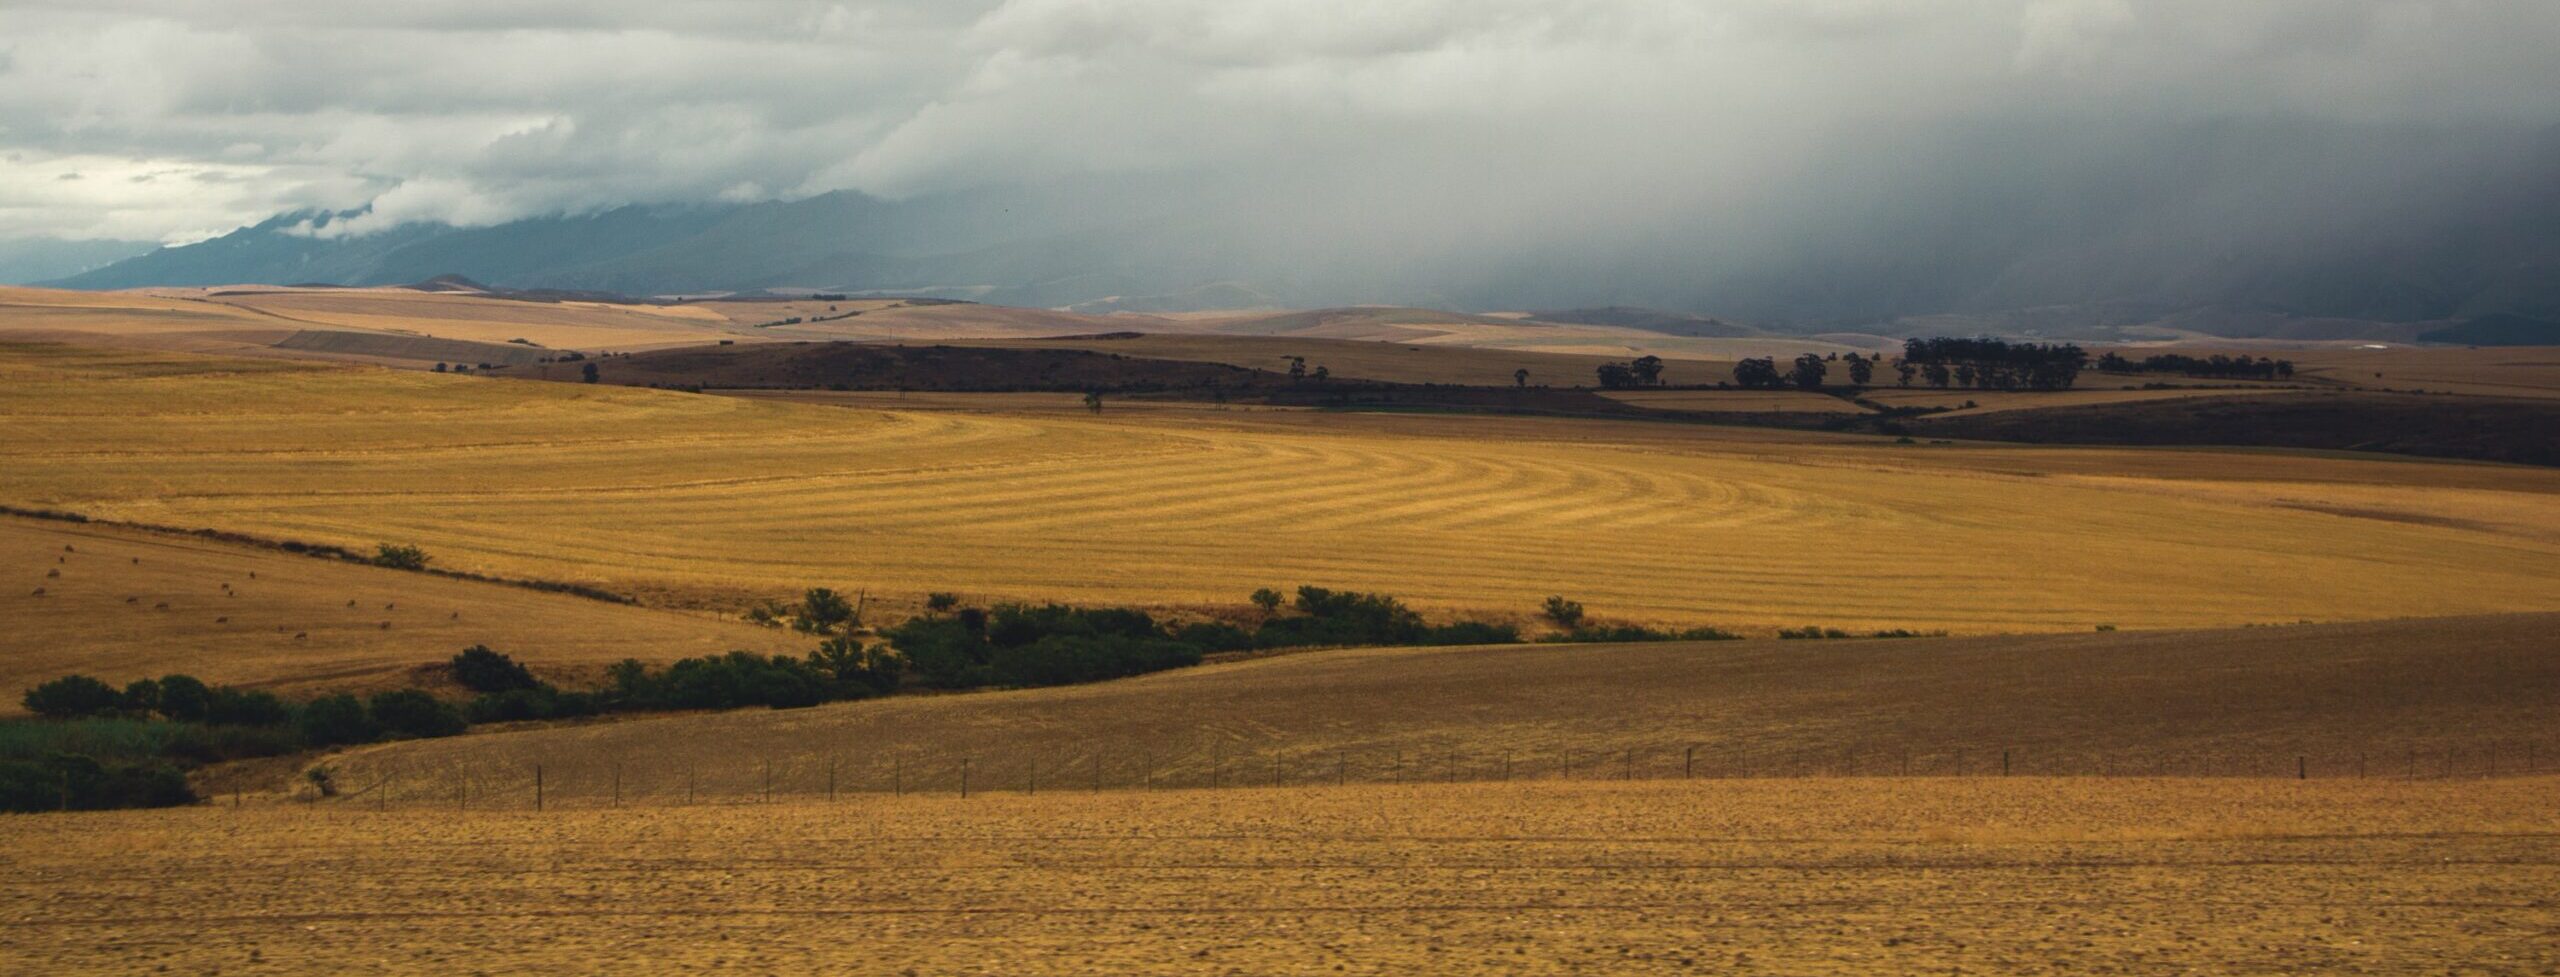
(181,119)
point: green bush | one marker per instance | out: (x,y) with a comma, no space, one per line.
(337,720)
(411,712)
(73,697)
(227,706)
(399,557)
(183,698)
(482,670)
(82,783)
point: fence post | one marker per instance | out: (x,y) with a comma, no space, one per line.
(2359,765)
(2301,768)
(1689,763)
(1149,770)
(1399,766)
(1033,784)
(1631,765)
(2004,763)
(382,793)
(1097,771)
(1506,768)
(831,779)
(964,778)
(537,787)
(1275,769)
(898,777)
(1217,762)
(688,783)
(1341,769)
(768,781)
(617,783)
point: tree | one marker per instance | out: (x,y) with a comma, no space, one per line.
(588,373)
(1297,369)
(941,603)
(824,609)
(441,368)
(1093,401)
(142,695)
(1268,600)
(1322,374)
(1616,376)
(399,556)
(337,719)
(1758,373)
(482,670)
(1520,377)
(1648,369)
(73,697)
(1808,372)
(411,712)
(1937,374)
(1564,612)
(183,698)
(1861,369)
(1904,367)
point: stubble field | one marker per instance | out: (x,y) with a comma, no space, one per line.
(712,501)
(1852,876)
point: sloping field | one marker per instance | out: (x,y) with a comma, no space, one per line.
(691,498)
(2458,695)
(1852,877)
(2502,371)
(447,315)
(121,605)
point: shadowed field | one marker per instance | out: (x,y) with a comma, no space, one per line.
(712,501)
(2026,876)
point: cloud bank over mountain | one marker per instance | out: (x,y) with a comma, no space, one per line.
(1710,154)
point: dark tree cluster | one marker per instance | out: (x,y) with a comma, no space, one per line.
(2217,365)
(1644,371)
(1993,364)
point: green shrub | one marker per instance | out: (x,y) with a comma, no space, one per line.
(183,698)
(82,783)
(399,557)
(482,670)
(410,712)
(336,720)
(73,697)
(225,705)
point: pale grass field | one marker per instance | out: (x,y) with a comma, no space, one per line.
(129,605)
(2423,698)
(711,500)
(1847,876)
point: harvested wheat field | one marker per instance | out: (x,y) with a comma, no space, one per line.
(1995,401)
(708,500)
(2404,698)
(122,605)
(1854,876)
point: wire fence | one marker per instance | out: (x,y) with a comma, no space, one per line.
(591,783)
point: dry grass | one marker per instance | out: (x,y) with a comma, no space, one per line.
(690,497)
(1799,877)
(123,605)
(2462,694)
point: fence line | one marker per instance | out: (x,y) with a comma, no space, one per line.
(549,785)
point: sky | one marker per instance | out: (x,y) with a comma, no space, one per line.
(177,120)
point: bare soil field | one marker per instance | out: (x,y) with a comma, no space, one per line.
(2462,696)
(1353,359)
(122,605)
(709,501)
(1735,401)
(1859,876)
(2087,394)
(2521,430)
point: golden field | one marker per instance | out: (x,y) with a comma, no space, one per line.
(1852,876)
(123,605)
(2430,698)
(711,501)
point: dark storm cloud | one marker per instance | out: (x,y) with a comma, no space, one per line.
(1325,120)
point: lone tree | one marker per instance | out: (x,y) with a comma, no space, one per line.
(1520,377)
(1093,401)
(1268,600)
(825,609)
(588,373)
(1617,376)
(941,603)
(1564,612)
(1297,369)
(1861,369)
(1323,374)
(1648,369)
(1808,372)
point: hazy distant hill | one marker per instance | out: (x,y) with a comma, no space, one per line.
(2499,330)
(36,259)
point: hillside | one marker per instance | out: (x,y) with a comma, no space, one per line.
(2228,702)
(122,605)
